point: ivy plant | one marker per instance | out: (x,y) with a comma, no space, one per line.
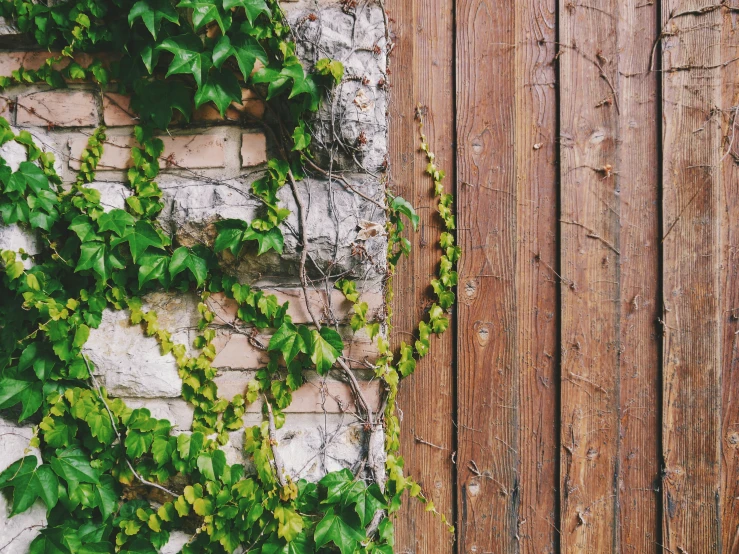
(114,478)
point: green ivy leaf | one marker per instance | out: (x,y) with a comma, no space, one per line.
(246,50)
(290,524)
(252,8)
(33,176)
(212,464)
(190,445)
(139,238)
(183,258)
(301,137)
(30,483)
(368,503)
(267,240)
(161,450)
(326,347)
(189,58)
(152,12)
(206,11)
(92,256)
(118,221)
(138,442)
(289,341)
(404,207)
(156,100)
(334,68)
(106,497)
(82,226)
(338,530)
(27,393)
(300,545)
(221,87)
(153,266)
(73,465)
(230,235)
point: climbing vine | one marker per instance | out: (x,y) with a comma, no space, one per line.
(116,479)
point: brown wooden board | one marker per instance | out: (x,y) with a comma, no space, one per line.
(729,314)
(422,71)
(537,281)
(590,265)
(637,172)
(691,82)
(486,353)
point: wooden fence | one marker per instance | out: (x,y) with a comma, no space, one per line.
(589,400)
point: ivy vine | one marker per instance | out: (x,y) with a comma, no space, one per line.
(116,479)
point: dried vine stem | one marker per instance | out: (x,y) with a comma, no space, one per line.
(377,466)
(279,465)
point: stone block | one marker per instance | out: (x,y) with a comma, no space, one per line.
(177,411)
(117,110)
(129,363)
(112,195)
(333,218)
(58,108)
(181,151)
(16,238)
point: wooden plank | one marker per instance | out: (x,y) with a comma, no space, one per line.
(423,71)
(590,235)
(536,275)
(691,258)
(729,312)
(486,190)
(637,165)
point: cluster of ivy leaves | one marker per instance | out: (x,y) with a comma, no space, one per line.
(97,453)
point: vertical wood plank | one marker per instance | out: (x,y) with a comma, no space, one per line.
(730,286)
(486,190)
(638,168)
(423,68)
(536,275)
(691,258)
(590,259)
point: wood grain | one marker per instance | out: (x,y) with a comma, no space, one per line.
(638,178)
(487,361)
(537,281)
(590,262)
(423,69)
(729,312)
(691,258)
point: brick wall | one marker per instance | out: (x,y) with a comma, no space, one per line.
(208,165)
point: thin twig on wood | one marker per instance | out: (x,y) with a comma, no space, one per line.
(591,234)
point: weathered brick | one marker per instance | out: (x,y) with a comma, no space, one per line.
(225,309)
(61,108)
(176,410)
(117,110)
(116,152)
(235,351)
(189,151)
(194,151)
(253,149)
(12,61)
(315,396)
